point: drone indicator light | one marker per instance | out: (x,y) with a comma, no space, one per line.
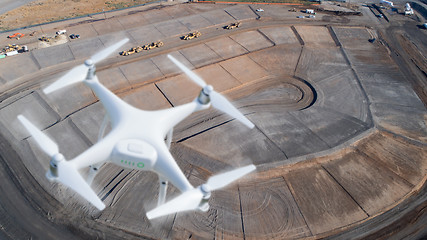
(140,165)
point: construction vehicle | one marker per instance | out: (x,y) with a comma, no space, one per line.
(45,39)
(11,48)
(153,45)
(159,44)
(232,25)
(192,35)
(131,51)
(8,54)
(138,49)
(16,35)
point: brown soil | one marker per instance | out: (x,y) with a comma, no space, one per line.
(42,11)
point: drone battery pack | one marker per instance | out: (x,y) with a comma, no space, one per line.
(134,154)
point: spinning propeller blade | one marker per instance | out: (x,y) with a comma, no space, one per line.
(78,74)
(44,142)
(67,172)
(199,81)
(191,199)
(218,101)
(75,75)
(223,179)
(97,57)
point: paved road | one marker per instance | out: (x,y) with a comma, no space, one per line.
(7,5)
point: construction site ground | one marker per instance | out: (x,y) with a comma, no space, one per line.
(43,11)
(340,142)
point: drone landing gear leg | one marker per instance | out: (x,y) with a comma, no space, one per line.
(92,172)
(103,127)
(93,169)
(169,138)
(163,187)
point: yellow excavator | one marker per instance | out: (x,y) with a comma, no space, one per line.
(233,25)
(45,39)
(131,51)
(192,35)
(138,49)
(153,45)
(11,48)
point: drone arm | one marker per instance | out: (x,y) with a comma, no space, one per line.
(172,116)
(96,154)
(115,107)
(167,168)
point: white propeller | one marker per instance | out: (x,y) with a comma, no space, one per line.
(63,171)
(217,100)
(78,74)
(46,144)
(191,199)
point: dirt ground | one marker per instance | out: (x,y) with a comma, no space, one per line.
(42,11)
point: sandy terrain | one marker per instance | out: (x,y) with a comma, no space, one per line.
(42,11)
(340,137)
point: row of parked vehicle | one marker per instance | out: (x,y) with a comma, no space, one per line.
(158,44)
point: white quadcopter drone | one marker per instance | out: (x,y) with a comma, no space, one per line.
(138,140)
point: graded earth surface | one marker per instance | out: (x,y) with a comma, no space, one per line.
(340,137)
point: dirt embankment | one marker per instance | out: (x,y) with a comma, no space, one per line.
(42,11)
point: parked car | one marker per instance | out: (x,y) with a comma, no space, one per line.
(74,36)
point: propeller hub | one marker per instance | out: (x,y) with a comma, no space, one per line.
(56,159)
(208,89)
(206,190)
(91,71)
(89,63)
(204,95)
(203,98)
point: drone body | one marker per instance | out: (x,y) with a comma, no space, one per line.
(138,140)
